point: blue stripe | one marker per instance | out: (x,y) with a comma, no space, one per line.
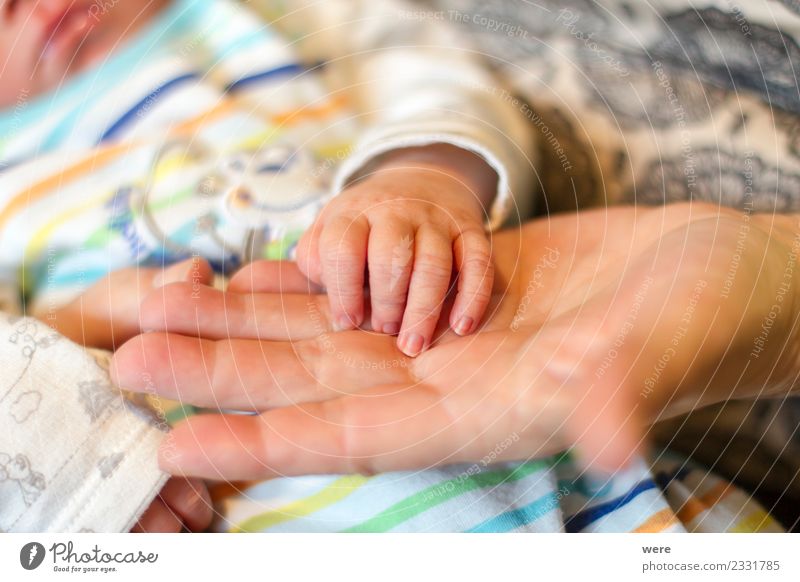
(146,103)
(292,69)
(511,520)
(8,164)
(581,520)
(664,479)
(82,278)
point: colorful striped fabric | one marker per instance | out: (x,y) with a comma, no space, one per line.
(168,153)
(551,495)
(73,216)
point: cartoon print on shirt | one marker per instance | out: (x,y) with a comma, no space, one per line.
(226,208)
(25,405)
(17,470)
(30,336)
(108,464)
(97,397)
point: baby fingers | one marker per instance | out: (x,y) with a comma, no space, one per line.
(430,281)
(391,257)
(343,247)
(475,281)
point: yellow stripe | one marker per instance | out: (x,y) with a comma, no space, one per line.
(41,237)
(254,141)
(169,165)
(756,522)
(333,493)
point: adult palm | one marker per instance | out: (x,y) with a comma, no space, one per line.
(599,322)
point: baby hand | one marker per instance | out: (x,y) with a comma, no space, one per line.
(412,222)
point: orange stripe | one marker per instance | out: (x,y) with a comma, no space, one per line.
(697,505)
(306,113)
(45,187)
(190,125)
(221,491)
(106,154)
(658,522)
(691,509)
(717,493)
(311,113)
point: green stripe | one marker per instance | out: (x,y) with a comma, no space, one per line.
(437,494)
(179,413)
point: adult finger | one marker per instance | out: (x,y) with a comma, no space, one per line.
(272,277)
(108,313)
(390,258)
(390,428)
(189,500)
(195,270)
(343,250)
(473,259)
(308,257)
(206,312)
(255,375)
(158,518)
(430,280)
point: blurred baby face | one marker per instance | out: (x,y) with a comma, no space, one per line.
(42,42)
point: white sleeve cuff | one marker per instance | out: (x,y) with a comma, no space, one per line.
(75,455)
(507,207)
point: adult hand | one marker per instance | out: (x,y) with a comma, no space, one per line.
(107,313)
(182,503)
(599,323)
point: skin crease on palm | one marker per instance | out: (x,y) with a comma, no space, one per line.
(45,42)
(529,372)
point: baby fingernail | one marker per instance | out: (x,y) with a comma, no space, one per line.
(344,323)
(390,328)
(412,344)
(464,325)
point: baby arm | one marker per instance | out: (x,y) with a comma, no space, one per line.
(414,219)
